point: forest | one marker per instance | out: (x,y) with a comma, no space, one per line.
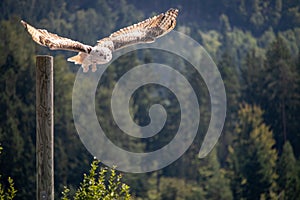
(256,47)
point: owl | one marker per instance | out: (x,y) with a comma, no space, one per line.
(143,32)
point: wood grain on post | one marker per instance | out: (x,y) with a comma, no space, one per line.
(44,128)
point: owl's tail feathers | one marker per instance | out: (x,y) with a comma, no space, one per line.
(78,59)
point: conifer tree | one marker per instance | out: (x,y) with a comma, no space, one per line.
(17,120)
(252,157)
(288,171)
(212,178)
(279,90)
(230,78)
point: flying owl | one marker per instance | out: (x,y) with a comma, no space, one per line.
(143,32)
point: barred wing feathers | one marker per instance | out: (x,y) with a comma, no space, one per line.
(53,41)
(143,32)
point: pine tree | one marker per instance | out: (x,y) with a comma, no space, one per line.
(279,90)
(252,76)
(179,189)
(212,178)
(17,120)
(230,78)
(252,157)
(289,180)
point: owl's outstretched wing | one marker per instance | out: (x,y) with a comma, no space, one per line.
(144,32)
(53,41)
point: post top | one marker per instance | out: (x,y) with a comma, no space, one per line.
(44,56)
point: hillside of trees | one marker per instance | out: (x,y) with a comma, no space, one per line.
(256,47)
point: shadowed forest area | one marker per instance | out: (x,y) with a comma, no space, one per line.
(255,45)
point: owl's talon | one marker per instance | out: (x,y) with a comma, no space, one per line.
(94,68)
(85,69)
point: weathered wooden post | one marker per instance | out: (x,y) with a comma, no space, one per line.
(44,128)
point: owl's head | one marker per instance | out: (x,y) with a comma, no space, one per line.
(100,55)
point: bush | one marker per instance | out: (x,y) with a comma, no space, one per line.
(100,184)
(11,191)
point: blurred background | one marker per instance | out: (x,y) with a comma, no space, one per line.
(255,45)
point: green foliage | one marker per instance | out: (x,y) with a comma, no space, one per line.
(255,44)
(280,89)
(252,157)
(10,192)
(252,77)
(178,189)
(231,81)
(17,118)
(211,41)
(103,184)
(213,180)
(289,180)
(271,80)
(237,43)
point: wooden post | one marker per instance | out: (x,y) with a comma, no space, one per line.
(44,128)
